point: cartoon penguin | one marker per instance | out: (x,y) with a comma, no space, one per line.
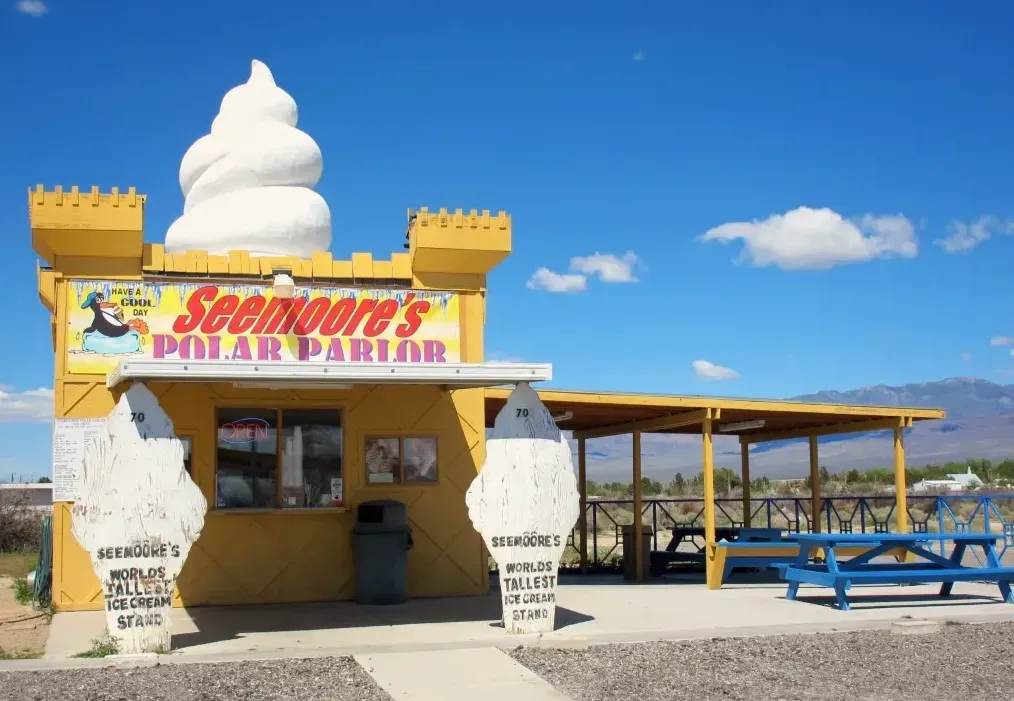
(105,322)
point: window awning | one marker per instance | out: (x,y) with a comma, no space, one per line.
(287,373)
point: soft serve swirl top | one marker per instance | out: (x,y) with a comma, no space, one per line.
(248,184)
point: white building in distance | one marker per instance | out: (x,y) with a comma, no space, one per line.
(954,483)
(35,495)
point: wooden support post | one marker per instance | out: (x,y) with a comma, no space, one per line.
(900,487)
(744,451)
(709,495)
(815,507)
(582,521)
(638,507)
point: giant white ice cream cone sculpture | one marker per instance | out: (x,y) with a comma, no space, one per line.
(525,502)
(137,514)
(249,183)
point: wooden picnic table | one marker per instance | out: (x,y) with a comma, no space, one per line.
(681,534)
(840,575)
(660,559)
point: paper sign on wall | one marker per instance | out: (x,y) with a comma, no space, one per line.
(70,436)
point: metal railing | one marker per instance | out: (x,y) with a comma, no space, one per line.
(952,513)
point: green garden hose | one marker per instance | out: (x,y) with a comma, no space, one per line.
(44,570)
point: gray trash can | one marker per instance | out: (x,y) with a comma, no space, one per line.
(381,540)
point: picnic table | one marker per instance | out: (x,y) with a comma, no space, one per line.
(660,559)
(683,534)
(840,575)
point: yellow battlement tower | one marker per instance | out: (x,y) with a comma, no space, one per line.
(68,226)
(472,243)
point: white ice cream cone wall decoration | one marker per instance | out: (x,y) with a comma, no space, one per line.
(525,503)
(137,515)
(249,183)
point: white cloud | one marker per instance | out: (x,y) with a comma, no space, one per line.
(818,239)
(998,341)
(35,8)
(966,356)
(709,371)
(546,279)
(962,236)
(604,266)
(1012,352)
(607,267)
(32,405)
(640,55)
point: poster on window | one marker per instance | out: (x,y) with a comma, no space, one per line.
(383,458)
(420,459)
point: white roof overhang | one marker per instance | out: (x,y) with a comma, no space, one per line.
(291,373)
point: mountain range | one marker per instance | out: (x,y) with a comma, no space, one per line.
(979,424)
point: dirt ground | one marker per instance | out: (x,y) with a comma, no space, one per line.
(23,632)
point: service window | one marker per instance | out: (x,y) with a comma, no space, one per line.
(188,444)
(279,458)
(311,458)
(401,459)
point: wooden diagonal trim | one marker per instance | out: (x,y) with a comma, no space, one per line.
(661,423)
(828,430)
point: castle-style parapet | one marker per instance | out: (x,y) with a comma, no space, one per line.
(472,243)
(86,224)
(362,269)
(87,233)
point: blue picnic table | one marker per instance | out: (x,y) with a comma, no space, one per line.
(840,575)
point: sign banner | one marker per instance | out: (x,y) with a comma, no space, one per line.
(138,512)
(109,321)
(525,502)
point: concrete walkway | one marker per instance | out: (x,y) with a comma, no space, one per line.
(481,673)
(591,611)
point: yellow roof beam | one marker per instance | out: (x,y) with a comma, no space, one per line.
(754,408)
(828,430)
(661,423)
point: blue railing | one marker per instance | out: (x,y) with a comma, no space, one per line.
(955,513)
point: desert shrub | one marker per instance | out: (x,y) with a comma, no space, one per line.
(22,594)
(689,508)
(20,524)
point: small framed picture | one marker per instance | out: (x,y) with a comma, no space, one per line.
(383,460)
(419,459)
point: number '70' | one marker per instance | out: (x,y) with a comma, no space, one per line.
(523,412)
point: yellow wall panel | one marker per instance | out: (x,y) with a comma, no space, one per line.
(302,555)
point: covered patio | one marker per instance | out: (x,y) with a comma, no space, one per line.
(596,415)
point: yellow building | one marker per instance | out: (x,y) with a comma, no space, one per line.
(284,438)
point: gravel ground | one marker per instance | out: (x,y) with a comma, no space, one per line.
(334,679)
(963,662)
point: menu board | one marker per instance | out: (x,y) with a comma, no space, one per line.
(70,436)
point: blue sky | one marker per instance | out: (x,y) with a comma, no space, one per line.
(654,157)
